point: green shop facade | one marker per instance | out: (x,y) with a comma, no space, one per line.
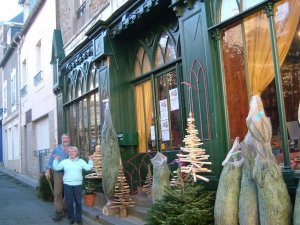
(154,61)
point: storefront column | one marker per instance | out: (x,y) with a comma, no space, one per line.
(269,11)
(217,35)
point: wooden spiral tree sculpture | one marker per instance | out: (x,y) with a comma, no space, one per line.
(97,158)
(194,158)
(122,195)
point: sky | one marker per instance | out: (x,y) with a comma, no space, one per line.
(9,9)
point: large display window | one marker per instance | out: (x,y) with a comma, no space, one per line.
(249,70)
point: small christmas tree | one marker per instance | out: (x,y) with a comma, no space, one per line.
(97,159)
(195,158)
(122,195)
(148,183)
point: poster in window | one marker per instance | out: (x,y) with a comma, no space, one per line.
(165,132)
(163,105)
(174,103)
(152,131)
(163,109)
(165,135)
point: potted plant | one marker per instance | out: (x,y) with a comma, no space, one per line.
(89,195)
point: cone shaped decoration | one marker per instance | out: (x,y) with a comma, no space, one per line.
(148,183)
(122,195)
(97,158)
(193,157)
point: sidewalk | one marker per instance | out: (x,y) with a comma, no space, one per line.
(94,213)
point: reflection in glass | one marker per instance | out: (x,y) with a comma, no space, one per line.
(230,8)
(85,145)
(79,85)
(165,51)
(142,63)
(235,78)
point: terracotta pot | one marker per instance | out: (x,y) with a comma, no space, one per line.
(89,199)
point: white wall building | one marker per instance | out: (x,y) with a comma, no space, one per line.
(38,103)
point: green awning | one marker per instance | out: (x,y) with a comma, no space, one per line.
(57,46)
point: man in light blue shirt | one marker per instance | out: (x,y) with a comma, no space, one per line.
(72,180)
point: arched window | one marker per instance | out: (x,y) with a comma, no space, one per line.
(79,85)
(91,77)
(160,130)
(165,51)
(69,91)
(142,63)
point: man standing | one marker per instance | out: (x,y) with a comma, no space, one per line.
(62,151)
(73,178)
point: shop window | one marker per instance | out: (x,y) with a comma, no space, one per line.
(249,70)
(84,113)
(158,128)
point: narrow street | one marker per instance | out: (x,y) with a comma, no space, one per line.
(20,205)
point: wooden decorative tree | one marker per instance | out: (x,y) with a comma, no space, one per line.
(97,158)
(148,183)
(195,157)
(122,198)
(177,181)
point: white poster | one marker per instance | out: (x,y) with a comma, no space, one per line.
(165,135)
(164,124)
(152,131)
(163,105)
(174,103)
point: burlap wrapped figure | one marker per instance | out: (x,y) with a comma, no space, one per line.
(161,176)
(248,202)
(274,201)
(227,199)
(110,160)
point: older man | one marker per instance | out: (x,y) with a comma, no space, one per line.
(72,179)
(62,151)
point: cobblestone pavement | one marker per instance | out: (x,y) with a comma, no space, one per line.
(19,204)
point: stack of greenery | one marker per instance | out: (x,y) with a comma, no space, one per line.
(191,205)
(44,189)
